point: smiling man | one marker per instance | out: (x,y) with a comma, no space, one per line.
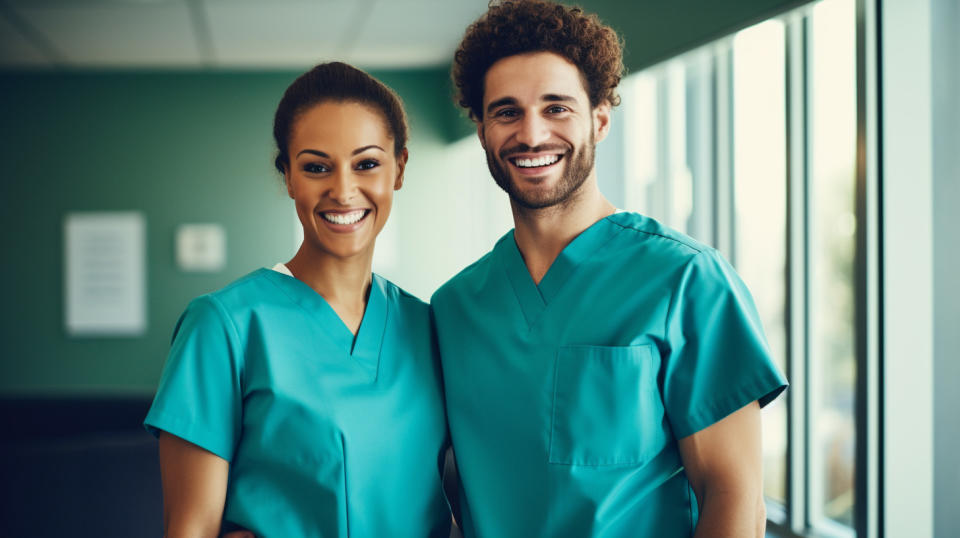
(604,374)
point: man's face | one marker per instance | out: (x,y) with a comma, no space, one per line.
(538,128)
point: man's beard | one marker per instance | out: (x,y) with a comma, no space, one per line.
(576,169)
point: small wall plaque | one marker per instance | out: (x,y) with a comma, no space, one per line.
(201,247)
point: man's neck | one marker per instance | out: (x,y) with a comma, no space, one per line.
(541,234)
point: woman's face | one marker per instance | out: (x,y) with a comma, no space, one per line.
(341,176)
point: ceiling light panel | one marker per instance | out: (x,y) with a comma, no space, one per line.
(279,35)
(413,33)
(117,34)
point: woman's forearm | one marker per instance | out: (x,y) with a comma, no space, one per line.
(194,488)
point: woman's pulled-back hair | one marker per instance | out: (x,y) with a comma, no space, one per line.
(336,81)
(512,27)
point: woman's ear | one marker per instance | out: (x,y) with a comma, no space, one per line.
(287,182)
(401,166)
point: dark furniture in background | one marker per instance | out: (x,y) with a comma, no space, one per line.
(80,467)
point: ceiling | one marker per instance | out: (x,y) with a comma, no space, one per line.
(231,34)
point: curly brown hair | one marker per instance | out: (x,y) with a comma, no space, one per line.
(519,26)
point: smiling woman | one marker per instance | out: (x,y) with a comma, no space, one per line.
(341,176)
(305,400)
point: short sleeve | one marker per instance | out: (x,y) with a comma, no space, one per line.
(199,397)
(718,360)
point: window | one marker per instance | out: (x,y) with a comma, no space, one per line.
(759,182)
(750,144)
(832,144)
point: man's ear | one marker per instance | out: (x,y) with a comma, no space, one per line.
(401,166)
(601,121)
(480,134)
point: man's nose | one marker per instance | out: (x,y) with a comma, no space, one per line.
(533,130)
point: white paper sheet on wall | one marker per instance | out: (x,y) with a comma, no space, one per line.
(104,281)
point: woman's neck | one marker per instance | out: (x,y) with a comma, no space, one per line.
(343,282)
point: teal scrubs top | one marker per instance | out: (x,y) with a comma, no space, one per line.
(327,435)
(566,399)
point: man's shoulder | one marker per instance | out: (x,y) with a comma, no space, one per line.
(470,277)
(473,276)
(652,234)
(648,245)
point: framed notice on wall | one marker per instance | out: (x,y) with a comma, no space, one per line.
(104,280)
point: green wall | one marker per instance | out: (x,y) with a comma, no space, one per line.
(196,147)
(179,147)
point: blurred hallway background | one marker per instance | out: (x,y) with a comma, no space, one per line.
(815,144)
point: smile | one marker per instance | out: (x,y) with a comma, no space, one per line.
(536,162)
(344,218)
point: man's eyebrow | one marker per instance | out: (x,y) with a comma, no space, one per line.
(314,152)
(555,97)
(365,148)
(500,102)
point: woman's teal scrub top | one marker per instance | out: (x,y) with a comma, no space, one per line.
(566,399)
(326,435)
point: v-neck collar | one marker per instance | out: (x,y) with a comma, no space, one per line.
(364,348)
(533,298)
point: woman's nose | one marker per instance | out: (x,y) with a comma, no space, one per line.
(343,187)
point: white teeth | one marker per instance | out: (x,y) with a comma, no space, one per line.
(345,218)
(539,161)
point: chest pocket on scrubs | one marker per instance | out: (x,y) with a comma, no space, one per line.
(606,406)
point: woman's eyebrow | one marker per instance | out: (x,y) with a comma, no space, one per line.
(314,152)
(365,148)
(319,153)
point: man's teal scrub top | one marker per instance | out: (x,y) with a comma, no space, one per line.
(566,399)
(326,435)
